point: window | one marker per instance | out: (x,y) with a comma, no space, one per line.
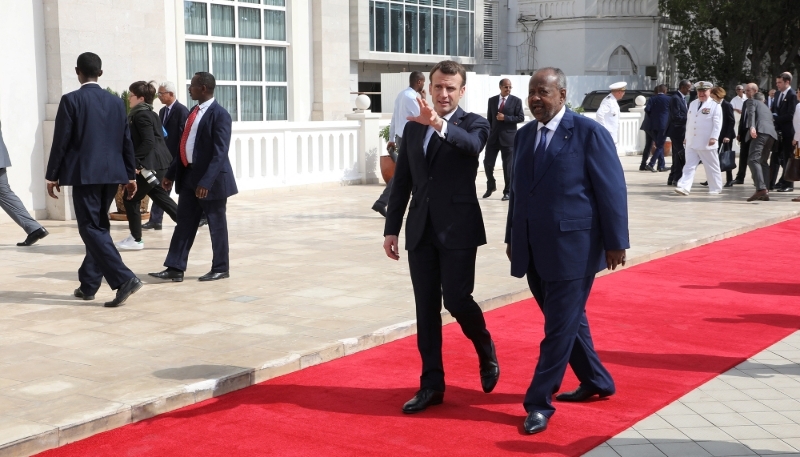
(491,32)
(437,27)
(243,44)
(621,63)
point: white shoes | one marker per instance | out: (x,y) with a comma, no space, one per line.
(715,192)
(129,244)
(682,191)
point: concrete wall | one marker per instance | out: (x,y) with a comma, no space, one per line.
(23,93)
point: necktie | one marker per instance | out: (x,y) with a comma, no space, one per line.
(780,99)
(502,105)
(542,142)
(185,136)
(166,116)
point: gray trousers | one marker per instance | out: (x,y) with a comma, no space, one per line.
(387,191)
(758,159)
(13,206)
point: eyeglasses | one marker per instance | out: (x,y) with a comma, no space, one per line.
(161,94)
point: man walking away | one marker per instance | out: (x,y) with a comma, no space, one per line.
(676,130)
(93,153)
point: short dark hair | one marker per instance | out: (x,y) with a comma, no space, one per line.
(504,80)
(684,83)
(205,78)
(450,67)
(145,90)
(786,77)
(661,89)
(415,77)
(90,64)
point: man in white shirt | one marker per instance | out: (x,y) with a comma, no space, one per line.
(405,106)
(608,113)
(738,100)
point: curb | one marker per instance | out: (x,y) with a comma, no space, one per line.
(196,392)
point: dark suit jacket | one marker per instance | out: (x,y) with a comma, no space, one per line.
(677,116)
(91,140)
(784,114)
(174,125)
(5,160)
(211,167)
(728,122)
(742,132)
(658,109)
(148,140)
(502,133)
(570,205)
(443,189)
(760,117)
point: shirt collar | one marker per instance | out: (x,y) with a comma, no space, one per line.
(553,124)
(785,92)
(90,82)
(204,106)
(169,107)
(450,114)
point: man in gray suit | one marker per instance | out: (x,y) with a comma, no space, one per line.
(759,130)
(12,205)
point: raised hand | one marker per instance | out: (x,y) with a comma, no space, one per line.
(427,115)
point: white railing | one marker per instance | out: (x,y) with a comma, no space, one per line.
(269,154)
(628,142)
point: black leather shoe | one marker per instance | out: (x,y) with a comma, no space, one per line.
(581,394)
(490,371)
(169,273)
(34,236)
(536,422)
(650,168)
(505,198)
(379,208)
(662,170)
(488,193)
(213,276)
(785,189)
(79,294)
(728,184)
(423,399)
(738,181)
(704,183)
(127,289)
(203,221)
(642,168)
(150,225)
(669,183)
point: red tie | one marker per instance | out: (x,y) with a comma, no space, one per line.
(502,105)
(185,136)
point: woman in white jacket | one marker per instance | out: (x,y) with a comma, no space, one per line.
(703,125)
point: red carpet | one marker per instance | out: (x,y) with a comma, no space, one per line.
(662,328)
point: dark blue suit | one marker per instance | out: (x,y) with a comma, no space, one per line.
(173,124)
(93,153)
(658,111)
(676,131)
(568,206)
(211,169)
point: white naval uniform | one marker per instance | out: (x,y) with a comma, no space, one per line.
(608,116)
(702,124)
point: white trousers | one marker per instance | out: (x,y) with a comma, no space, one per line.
(710,160)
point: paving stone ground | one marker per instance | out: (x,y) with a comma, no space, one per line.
(309,283)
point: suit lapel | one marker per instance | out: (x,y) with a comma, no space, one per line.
(557,143)
(433,147)
(206,117)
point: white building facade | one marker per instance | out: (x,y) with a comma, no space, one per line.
(283,65)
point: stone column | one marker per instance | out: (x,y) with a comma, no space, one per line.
(331,44)
(369,143)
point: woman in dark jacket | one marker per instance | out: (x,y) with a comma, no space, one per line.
(152,158)
(727,134)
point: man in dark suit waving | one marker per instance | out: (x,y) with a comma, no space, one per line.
(204,180)
(93,153)
(567,220)
(173,117)
(436,168)
(504,113)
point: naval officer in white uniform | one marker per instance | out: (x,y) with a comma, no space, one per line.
(608,113)
(703,125)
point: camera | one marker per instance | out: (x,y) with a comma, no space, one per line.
(149,176)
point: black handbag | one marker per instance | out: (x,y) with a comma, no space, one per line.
(727,158)
(792,170)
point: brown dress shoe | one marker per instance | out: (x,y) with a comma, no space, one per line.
(762,195)
(797,199)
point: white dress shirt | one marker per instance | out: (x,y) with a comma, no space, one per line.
(500,103)
(405,105)
(608,115)
(551,127)
(796,123)
(169,110)
(193,131)
(430,131)
(782,97)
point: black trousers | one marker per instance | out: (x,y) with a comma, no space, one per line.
(190,211)
(159,196)
(781,151)
(440,274)
(567,341)
(678,159)
(489,160)
(659,137)
(648,145)
(102,258)
(744,153)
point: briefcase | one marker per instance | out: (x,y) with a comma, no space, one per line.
(792,170)
(727,158)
